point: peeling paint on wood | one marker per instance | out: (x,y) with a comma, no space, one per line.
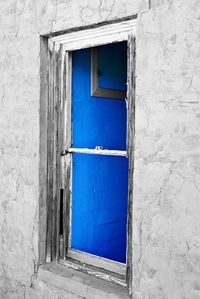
(130,150)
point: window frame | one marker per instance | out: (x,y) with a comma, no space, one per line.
(95,89)
(55,129)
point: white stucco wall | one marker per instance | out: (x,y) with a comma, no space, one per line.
(166,205)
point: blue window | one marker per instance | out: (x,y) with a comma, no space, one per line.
(99,162)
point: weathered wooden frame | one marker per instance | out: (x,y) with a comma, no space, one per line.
(55,147)
(95,89)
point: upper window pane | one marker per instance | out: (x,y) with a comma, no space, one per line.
(97,121)
(112,61)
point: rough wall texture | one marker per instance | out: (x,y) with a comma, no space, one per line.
(167,172)
(167,169)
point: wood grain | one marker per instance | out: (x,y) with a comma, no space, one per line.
(130,149)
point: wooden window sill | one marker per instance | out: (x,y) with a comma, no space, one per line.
(79,283)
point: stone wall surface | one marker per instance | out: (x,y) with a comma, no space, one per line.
(166,205)
(167,154)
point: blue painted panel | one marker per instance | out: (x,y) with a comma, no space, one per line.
(99,183)
(112,66)
(99,205)
(96,121)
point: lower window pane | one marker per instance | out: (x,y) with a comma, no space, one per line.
(99,205)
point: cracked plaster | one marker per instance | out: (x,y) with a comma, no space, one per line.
(167,144)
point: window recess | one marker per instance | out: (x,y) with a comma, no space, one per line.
(89,175)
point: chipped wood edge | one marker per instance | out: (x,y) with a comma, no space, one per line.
(59,145)
(97,261)
(43,207)
(50,141)
(94,272)
(68,158)
(130,149)
(87,38)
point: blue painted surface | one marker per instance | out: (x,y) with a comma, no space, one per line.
(99,183)
(112,64)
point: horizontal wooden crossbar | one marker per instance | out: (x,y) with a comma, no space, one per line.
(96,151)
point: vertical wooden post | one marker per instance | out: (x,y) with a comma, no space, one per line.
(67,158)
(59,143)
(50,141)
(130,150)
(44,75)
(55,146)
